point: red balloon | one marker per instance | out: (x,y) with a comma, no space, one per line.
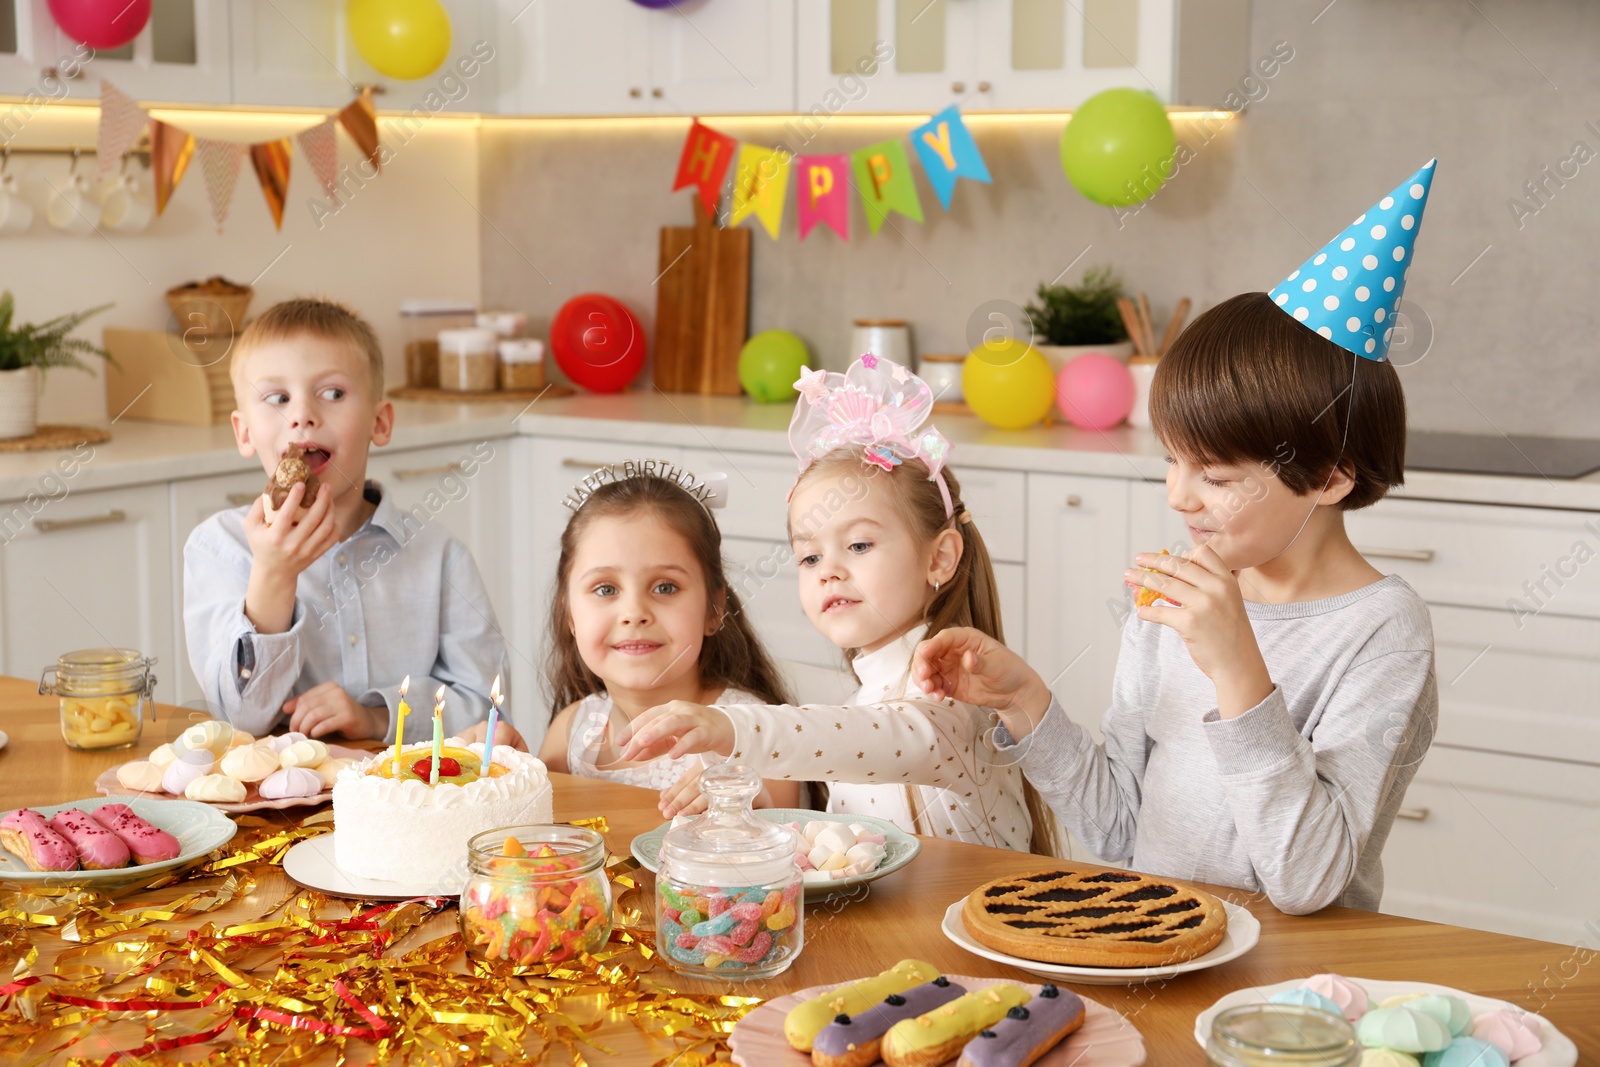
(102,24)
(597,343)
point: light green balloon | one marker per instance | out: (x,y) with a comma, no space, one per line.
(1118,147)
(769,364)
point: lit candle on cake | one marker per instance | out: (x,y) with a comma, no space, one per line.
(495,700)
(400,726)
(438,736)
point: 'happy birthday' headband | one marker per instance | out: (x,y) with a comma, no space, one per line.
(877,406)
(711,491)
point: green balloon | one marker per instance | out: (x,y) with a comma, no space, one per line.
(1118,148)
(769,364)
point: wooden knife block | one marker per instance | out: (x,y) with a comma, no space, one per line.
(702,306)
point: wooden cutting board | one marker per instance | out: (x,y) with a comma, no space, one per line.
(702,306)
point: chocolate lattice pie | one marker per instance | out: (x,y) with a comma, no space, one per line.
(1095,918)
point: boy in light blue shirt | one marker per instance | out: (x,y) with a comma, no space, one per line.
(310,615)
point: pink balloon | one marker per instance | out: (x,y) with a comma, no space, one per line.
(1094,391)
(102,24)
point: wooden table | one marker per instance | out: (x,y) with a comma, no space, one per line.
(901,915)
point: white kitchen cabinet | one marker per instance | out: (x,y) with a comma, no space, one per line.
(614,57)
(181,56)
(988,55)
(299,53)
(1076,602)
(88,570)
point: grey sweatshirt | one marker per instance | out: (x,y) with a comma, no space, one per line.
(1295,797)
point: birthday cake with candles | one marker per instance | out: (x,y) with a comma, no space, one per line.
(396,821)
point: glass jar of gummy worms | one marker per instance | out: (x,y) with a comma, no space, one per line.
(536,894)
(728,894)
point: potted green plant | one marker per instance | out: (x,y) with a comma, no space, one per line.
(26,351)
(1069,320)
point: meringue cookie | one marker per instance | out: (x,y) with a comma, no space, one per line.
(163,756)
(303,753)
(213,736)
(1516,1033)
(1387,1057)
(290,782)
(1467,1052)
(251,763)
(185,769)
(1306,998)
(141,775)
(284,741)
(241,738)
(1452,1011)
(328,770)
(1403,1030)
(217,788)
(1351,998)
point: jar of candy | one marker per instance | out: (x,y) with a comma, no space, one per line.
(728,901)
(103,692)
(536,894)
(1281,1035)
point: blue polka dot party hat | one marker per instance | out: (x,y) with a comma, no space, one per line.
(1348,291)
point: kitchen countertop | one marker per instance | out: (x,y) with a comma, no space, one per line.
(146,452)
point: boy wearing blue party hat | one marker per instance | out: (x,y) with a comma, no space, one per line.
(1274,692)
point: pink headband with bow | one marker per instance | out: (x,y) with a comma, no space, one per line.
(878,406)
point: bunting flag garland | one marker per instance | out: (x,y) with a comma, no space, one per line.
(824,194)
(883,181)
(760,186)
(220,162)
(360,120)
(946,149)
(704,163)
(271,160)
(170,152)
(880,174)
(121,123)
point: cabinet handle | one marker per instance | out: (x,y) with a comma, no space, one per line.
(656,93)
(958,87)
(51,525)
(1414,814)
(1419,555)
(1074,501)
(411,474)
(241,500)
(983,87)
(584,464)
(636,92)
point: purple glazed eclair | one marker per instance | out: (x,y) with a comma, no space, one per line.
(853,1041)
(1027,1032)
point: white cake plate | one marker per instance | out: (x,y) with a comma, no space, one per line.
(310,864)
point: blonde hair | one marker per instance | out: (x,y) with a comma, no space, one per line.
(970,598)
(308,317)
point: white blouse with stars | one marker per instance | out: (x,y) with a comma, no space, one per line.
(929,767)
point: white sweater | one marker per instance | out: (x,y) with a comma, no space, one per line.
(929,767)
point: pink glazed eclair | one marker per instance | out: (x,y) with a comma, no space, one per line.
(98,848)
(26,835)
(148,844)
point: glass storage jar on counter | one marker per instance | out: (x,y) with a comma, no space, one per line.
(467,361)
(536,894)
(1281,1035)
(422,320)
(728,896)
(103,694)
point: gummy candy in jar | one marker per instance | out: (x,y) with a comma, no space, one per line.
(728,896)
(536,894)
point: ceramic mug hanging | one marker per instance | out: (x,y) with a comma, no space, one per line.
(16,214)
(123,208)
(67,210)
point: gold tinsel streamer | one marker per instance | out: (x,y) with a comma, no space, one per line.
(310,980)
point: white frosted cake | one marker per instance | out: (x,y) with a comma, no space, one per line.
(390,824)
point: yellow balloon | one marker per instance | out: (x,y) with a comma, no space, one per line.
(1007,383)
(404,39)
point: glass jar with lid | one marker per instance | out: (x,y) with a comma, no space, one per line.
(467,361)
(728,894)
(103,694)
(1281,1035)
(536,894)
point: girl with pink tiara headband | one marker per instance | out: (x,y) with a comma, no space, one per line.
(888,555)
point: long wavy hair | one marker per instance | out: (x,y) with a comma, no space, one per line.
(732,656)
(970,598)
